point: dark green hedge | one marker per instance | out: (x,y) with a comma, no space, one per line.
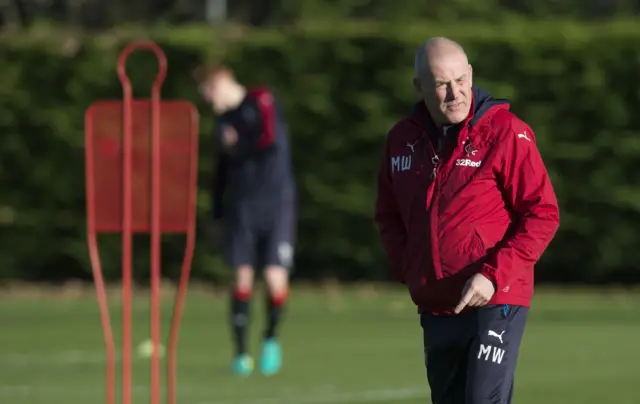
(576,85)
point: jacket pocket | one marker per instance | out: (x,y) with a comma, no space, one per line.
(480,244)
(406,214)
(417,260)
(460,250)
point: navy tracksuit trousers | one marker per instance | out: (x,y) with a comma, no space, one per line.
(471,358)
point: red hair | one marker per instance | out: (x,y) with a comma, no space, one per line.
(213,72)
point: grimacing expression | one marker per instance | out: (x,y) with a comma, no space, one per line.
(446,89)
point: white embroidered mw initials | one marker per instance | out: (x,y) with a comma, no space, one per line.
(400,163)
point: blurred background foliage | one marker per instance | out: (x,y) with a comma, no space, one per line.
(342,70)
(98,14)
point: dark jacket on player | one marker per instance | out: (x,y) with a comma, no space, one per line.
(476,200)
(258,169)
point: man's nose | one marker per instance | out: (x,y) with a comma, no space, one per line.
(452,92)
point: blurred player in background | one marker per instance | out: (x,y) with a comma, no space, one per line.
(253,205)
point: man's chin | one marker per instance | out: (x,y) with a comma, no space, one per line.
(456,115)
(455,119)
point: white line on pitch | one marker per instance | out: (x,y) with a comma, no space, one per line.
(77,357)
(364,396)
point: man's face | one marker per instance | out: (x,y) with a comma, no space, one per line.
(445,86)
(214,91)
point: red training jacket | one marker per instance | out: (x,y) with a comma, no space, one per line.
(483,204)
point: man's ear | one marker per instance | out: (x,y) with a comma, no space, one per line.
(417,85)
(471,74)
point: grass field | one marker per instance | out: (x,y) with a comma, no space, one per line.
(358,346)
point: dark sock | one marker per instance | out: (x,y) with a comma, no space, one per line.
(240,319)
(275,307)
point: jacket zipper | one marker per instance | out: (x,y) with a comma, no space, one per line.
(435,160)
(432,202)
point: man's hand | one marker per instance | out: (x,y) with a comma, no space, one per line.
(477,292)
(229,137)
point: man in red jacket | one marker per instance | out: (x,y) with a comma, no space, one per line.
(465,208)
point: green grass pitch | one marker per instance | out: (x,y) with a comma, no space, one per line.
(341,346)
